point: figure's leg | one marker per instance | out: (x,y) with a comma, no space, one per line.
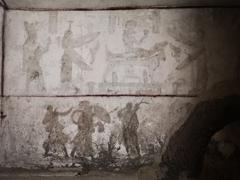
(66,69)
(127,148)
(73,152)
(28,79)
(136,144)
(65,151)
(46,147)
(41,80)
(88,144)
(126,144)
(107,71)
(150,71)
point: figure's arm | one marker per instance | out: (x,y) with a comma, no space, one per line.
(73,114)
(136,108)
(120,112)
(46,119)
(64,113)
(46,48)
(85,39)
(25,59)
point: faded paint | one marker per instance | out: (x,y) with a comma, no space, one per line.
(106,133)
(151,52)
(138,56)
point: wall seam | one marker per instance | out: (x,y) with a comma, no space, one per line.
(2,68)
(105,95)
(127,8)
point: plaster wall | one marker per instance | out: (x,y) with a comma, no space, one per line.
(103,138)
(104,52)
(68,76)
(149,52)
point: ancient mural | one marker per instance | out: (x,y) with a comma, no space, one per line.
(102,132)
(143,52)
(113,52)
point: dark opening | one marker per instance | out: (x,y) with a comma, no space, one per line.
(186,150)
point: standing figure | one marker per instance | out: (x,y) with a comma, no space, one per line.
(32,54)
(82,142)
(130,124)
(71,56)
(55,144)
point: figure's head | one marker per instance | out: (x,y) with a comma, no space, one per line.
(31,29)
(30,26)
(50,108)
(130,24)
(129,106)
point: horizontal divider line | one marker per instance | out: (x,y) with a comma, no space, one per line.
(237,5)
(102,95)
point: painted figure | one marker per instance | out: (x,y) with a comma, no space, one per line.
(128,117)
(55,144)
(83,118)
(32,54)
(70,56)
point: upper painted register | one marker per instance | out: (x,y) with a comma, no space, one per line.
(150,52)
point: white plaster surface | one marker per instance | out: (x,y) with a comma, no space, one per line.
(23,132)
(151,52)
(104,52)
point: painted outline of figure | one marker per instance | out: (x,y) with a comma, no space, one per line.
(82,142)
(128,117)
(32,54)
(71,56)
(56,138)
